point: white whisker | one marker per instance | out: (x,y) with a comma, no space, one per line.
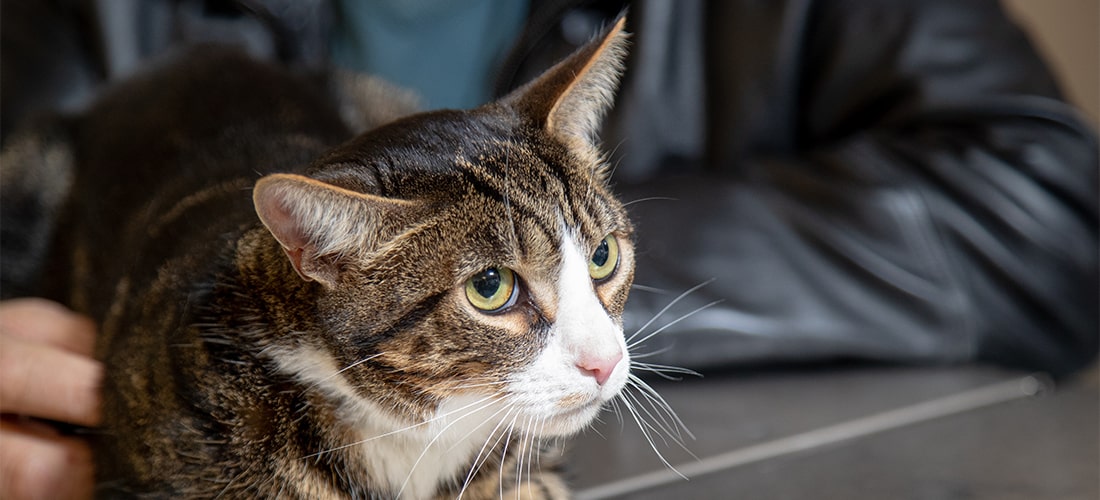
(645,433)
(657,423)
(650,393)
(342,370)
(667,307)
(663,370)
(610,155)
(593,429)
(496,383)
(617,411)
(478,462)
(403,429)
(658,352)
(534,452)
(484,421)
(434,439)
(504,457)
(524,446)
(631,344)
(651,198)
(646,288)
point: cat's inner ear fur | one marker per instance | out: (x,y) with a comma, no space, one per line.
(319,225)
(571,98)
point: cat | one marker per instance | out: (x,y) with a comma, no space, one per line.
(419,311)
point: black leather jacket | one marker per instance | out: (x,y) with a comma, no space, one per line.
(878,179)
(885,179)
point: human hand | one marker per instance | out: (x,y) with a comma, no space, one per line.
(46,372)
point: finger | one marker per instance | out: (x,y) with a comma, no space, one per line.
(48,322)
(37,465)
(41,381)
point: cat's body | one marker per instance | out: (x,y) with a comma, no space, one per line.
(411,317)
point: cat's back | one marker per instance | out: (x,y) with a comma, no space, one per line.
(164,163)
(201,114)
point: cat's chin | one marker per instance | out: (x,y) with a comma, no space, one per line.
(571,421)
(565,412)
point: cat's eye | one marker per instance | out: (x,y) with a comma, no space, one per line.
(492,289)
(605,259)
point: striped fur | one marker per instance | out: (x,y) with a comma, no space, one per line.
(315,339)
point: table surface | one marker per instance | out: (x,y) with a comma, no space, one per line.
(852,433)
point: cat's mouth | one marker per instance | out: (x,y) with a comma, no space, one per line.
(575,412)
(577,401)
(580,408)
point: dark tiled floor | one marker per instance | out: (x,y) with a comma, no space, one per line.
(905,433)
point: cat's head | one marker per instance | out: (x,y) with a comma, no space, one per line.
(459,255)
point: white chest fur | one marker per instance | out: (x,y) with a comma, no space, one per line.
(413,459)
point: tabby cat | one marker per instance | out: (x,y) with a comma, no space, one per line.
(416,313)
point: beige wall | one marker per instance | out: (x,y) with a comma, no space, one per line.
(1068,34)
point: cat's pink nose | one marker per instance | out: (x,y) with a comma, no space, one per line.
(599,367)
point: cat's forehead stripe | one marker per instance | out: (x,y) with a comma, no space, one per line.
(589,212)
(521,190)
(516,207)
(540,185)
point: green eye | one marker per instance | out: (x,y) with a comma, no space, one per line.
(492,289)
(605,259)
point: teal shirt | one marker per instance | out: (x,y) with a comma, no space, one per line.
(445,50)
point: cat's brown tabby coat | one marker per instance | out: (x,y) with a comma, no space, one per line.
(410,315)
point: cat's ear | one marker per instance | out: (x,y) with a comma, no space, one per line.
(319,225)
(570,99)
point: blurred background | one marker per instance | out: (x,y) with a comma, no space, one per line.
(1068,34)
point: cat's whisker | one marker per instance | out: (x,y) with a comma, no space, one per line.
(506,437)
(642,425)
(650,393)
(342,370)
(634,343)
(649,430)
(593,429)
(654,416)
(486,420)
(611,154)
(357,363)
(478,462)
(663,371)
(640,355)
(647,288)
(617,410)
(665,309)
(555,446)
(493,383)
(525,440)
(521,439)
(403,429)
(433,441)
(651,198)
(657,423)
(504,456)
(669,434)
(534,452)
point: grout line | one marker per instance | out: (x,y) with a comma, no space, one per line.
(1001,392)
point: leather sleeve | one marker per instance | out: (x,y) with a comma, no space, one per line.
(886,180)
